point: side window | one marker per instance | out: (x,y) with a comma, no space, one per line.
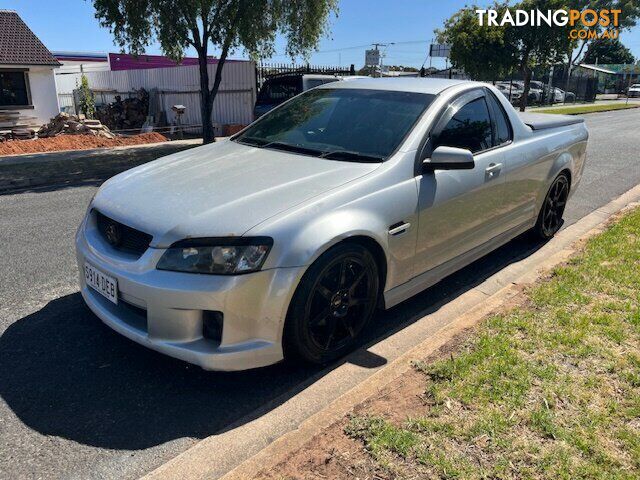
(469,128)
(278,90)
(504,133)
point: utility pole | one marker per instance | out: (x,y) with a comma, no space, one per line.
(375,47)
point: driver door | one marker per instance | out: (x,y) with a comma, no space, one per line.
(460,210)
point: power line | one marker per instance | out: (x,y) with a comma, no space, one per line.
(355,47)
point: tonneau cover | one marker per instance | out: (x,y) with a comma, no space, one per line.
(542,121)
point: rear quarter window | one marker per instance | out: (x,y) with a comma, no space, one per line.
(278,90)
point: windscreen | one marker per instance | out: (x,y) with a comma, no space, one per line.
(340,123)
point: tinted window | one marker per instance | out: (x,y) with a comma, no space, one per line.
(469,128)
(277,90)
(503,126)
(13,89)
(348,120)
(316,82)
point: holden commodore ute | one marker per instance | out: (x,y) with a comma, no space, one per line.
(282,241)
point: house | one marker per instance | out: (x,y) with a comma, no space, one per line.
(28,95)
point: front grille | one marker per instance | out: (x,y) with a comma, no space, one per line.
(122,237)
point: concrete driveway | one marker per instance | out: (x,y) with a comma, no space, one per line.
(79,401)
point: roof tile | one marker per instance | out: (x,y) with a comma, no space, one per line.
(19,45)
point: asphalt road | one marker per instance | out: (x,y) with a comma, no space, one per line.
(79,401)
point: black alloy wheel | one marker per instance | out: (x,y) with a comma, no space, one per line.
(550,217)
(333,303)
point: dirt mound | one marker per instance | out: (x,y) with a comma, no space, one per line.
(75,142)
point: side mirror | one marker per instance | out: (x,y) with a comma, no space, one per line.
(449,158)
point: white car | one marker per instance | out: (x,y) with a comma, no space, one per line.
(634,90)
(283,241)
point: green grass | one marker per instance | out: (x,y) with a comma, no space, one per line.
(549,390)
(580,109)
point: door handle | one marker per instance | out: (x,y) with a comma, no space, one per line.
(493,170)
(399,228)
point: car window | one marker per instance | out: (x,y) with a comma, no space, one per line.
(277,90)
(316,82)
(503,133)
(469,128)
(340,123)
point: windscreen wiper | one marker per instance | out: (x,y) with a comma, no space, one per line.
(351,155)
(289,147)
(253,141)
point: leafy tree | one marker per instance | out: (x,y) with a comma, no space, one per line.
(538,46)
(608,51)
(482,51)
(223,24)
(87,102)
(492,52)
(627,20)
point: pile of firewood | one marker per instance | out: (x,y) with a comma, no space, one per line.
(125,114)
(65,124)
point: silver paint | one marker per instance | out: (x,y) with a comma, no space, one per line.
(307,205)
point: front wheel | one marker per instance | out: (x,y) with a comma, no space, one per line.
(335,300)
(550,216)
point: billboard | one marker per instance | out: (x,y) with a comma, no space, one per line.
(439,50)
(372,58)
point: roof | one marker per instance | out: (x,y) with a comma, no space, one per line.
(81,56)
(125,61)
(596,68)
(19,45)
(400,84)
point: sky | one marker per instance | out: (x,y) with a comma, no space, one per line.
(69,25)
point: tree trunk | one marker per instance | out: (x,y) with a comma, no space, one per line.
(206,99)
(218,77)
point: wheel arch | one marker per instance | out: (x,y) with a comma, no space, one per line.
(378,254)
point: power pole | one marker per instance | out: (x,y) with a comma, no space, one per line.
(375,47)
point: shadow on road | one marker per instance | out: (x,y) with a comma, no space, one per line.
(64,373)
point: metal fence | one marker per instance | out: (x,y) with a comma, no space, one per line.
(266,70)
(450,72)
(176,85)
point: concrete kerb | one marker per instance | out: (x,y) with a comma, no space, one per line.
(266,438)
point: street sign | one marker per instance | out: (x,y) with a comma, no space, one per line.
(439,50)
(372,58)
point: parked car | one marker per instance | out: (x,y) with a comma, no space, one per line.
(569,97)
(516,89)
(512,91)
(536,89)
(280,88)
(283,240)
(634,90)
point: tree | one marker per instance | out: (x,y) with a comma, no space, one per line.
(223,24)
(627,20)
(608,51)
(86,102)
(538,46)
(482,51)
(492,52)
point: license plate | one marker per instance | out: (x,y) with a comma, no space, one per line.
(102,283)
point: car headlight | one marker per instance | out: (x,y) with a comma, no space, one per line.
(216,256)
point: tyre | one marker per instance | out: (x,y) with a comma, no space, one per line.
(333,303)
(550,216)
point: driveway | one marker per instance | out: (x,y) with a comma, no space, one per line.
(79,401)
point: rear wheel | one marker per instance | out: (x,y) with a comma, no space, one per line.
(335,300)
(550,216)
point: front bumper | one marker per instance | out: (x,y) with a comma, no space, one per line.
(164,310)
